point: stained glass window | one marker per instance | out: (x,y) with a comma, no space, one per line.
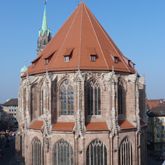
(121,98)
(93,99)
(66,99)
(63,153)
(125,152)
(37,157)
(96,153)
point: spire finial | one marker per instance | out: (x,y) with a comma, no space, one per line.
(44,33)
(44,21)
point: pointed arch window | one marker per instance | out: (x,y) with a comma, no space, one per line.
(41,101)
(34,101)
(125,152)
(44,99)
(121,98)
(96,153)
(62,153)
(37,155)
(66,99)
(93,98)
(24,100)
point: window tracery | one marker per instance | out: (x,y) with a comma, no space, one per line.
(36,152)
(96,153)
(121,98)
(93,98)
(125,152)
(63,153)
(34,101)
(66,98)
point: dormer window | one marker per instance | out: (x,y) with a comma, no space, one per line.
(36,60)
(49,57)
(115,59)
(67,58)
(68,54)
(93,54)
(93,58)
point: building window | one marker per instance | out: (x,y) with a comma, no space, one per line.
(68,54)
(121,99)
(93,98)
(125,153)
(37,156)
(96,153)
(67,58)
(115,59)
(93,58)
(66,98)
(41,102)
(34,101)
(62,153)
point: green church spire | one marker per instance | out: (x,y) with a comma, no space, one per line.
(44,28)
(44,33)
(44,21)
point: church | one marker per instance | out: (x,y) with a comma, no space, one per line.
(81,101)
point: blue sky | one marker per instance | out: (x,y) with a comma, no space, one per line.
(136,26)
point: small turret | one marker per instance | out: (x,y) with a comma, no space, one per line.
(44,33)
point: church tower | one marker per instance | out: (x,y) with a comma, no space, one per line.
(44,33)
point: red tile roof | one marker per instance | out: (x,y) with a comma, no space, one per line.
(97,126)
(84,35)
(156,107)
(125,124)
(37,125)
(63,126)
(155,103)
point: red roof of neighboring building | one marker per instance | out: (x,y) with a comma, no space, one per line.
(125,124)
(37,125)
(96,126)
(63,126)
(156,107)
(80,37)
(155,103)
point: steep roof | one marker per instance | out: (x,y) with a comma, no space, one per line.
(11,102)
(80,37)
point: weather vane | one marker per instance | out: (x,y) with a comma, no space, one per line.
(45,1)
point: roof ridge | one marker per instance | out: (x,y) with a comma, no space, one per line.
(109,39)
(96,37)
(80,38)
(67,33)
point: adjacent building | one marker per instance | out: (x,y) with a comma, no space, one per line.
(81,101)
(10,108)
(156,126)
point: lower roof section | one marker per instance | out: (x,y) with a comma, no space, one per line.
(97,126)
(90,126)
(125,124)
(37,125)
(63,126)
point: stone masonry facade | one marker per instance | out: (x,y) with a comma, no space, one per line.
(80,137)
